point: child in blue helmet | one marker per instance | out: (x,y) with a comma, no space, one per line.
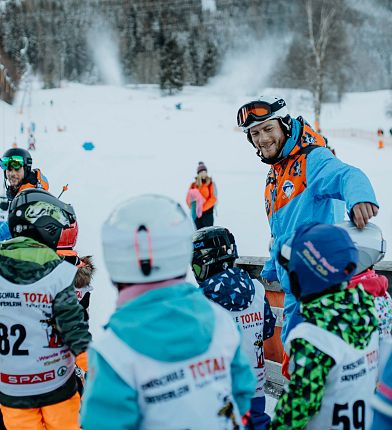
(214,253)
(334,351)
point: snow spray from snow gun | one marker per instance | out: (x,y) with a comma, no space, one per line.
(65,188)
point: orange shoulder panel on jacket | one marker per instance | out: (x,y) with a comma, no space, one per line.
(41,183)
(42,180)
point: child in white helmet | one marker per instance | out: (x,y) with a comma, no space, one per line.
(371,248)
(169,358)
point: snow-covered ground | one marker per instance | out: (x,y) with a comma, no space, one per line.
(143,144)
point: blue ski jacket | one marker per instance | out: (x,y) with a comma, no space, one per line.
(171,324)
(304,186)
(4,231)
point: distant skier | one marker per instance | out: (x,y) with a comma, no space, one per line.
(206,187)
(334,351)
(31,143)
(169,358)
(214,253)
(18,175)
(38,388)
(380,134)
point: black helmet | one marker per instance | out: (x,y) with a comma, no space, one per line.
(214,250)
(37,214)
(20,152)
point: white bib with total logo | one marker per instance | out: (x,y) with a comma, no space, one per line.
(33,358)
(350,383)
(193,394)
(251,323)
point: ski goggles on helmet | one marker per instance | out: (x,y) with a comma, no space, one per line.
(15,162)
(257,111)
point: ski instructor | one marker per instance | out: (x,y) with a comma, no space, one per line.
(18,174)
(303,183)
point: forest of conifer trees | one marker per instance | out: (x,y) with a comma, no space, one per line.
(327,46)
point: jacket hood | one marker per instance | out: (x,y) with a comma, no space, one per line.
(233,289)
(171,323)
(24,260)
(85,272)
(374,284)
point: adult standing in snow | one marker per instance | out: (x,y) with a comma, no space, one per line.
(202,195)
(18,174)
(304,180)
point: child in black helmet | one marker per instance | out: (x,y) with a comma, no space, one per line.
(334,351)
(214,253)
(42,323)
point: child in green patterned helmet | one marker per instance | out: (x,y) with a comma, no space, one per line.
(334,351)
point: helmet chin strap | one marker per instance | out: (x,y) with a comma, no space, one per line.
(285,125)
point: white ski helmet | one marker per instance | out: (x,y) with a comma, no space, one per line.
(147,239)
(369,241)
(263,109)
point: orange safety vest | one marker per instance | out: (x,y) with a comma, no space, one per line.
(291,171)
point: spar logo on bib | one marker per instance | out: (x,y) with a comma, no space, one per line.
(34,378)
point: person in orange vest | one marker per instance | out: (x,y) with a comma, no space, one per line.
(18,174)
(206,187)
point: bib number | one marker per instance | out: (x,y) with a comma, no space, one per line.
(348,420)
(19,332)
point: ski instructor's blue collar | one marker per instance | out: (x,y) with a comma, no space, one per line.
(292,140)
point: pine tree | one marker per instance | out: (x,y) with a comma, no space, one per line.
(171,67)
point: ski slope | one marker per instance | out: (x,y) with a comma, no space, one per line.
(143,144)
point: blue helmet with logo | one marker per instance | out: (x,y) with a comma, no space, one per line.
(318,258)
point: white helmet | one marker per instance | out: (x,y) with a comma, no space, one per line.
(261,110)
(147,239)
(369,241)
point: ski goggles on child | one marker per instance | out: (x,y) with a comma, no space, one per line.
(257,111)
(15,162)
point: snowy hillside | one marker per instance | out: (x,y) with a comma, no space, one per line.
(144,144)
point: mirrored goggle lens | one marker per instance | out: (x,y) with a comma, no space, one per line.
(252,111)
(15,162)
